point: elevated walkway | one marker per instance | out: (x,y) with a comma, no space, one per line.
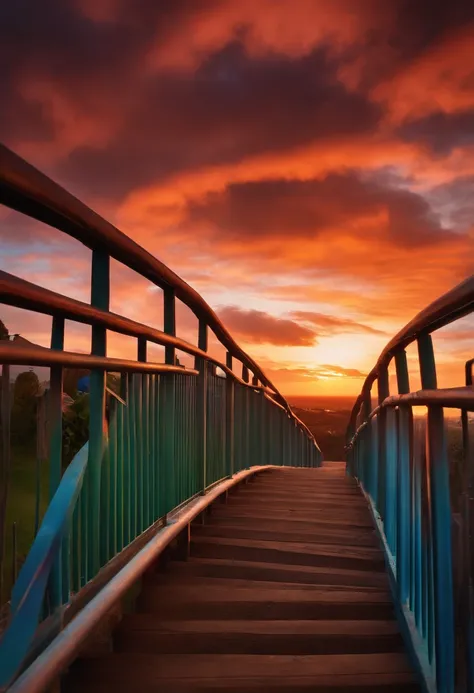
(283,588)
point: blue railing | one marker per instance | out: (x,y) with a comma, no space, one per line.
(401,461)
(169,435)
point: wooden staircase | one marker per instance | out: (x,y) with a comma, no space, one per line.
(284,590)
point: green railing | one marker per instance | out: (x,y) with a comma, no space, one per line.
(169,434)
(401,460)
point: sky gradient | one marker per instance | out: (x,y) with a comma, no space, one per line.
(307,166)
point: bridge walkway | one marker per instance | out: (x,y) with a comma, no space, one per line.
(283,589)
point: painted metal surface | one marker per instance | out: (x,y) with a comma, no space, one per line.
(170,435)
(406,477)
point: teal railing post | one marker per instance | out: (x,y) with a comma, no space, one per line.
(168,408)
(58,592)
(5,463)
(404,526)
(383,393)
(229,421)
(370,460)
(438,476)
(201,366)
(245,419)
(142,433)
(100,298)
(467,596)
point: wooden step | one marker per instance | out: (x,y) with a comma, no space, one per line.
(290,524)
(285,591)
(301,505)
(256,570)
(231,583)
(292,553)
(219,603)
(285,532)
(247,673)
(144,633)
(331,517)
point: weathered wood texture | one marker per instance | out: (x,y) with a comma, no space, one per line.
(284,590)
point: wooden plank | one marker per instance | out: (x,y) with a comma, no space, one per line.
(327,517)
(143,633)
(197,602)
(381,683)
(124,667)
(233,583)
(363,558)
(253,570)
(286,533)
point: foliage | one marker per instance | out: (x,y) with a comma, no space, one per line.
(23,416)
(71,377)
(75,426)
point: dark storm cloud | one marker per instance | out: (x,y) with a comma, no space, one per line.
(414,28)
(232,107)
(53,39)
(441,132)
(305,208)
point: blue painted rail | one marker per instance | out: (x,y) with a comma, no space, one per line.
(401,460)
(168,437)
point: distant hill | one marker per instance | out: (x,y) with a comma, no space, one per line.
(327,419)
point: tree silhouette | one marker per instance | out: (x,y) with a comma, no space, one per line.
(23,417)
(3,331)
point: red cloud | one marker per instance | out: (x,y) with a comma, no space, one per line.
(257,327)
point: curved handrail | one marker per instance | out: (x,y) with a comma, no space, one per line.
(29,590)
(446,309)
(27,190)
(21,355)
(454,397)
(23,294)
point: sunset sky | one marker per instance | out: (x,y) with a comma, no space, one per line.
(306,165)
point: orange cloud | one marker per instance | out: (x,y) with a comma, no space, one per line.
(257,327)
(310,162)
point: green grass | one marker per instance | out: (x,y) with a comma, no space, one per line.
(21,509)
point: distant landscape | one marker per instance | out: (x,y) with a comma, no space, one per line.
(327,419)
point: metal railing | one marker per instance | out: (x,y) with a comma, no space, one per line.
(402,463)
(167,437)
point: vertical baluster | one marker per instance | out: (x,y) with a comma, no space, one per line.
(169,402)
(128,482)
(438,470)
(113,425)
(467,596)
(152,448)
(404,525)
(245,426)
(100,298)
(230,418)
(383,393)
(416,519)
(370,460)
(143,434)
(159,463)
(201,409)
(5,465)
(121,464)
(105,499)
(178,440)
(59,587)
(132,456)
